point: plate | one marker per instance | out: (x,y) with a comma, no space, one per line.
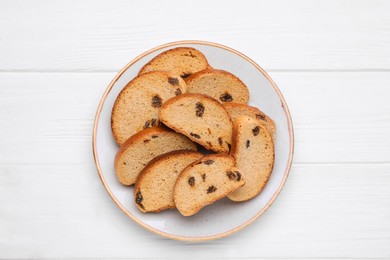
(223,217)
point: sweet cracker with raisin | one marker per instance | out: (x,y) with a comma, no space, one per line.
(201,118)
(253,150)
(218,84)
(137,106)
(183,61)
(235,110)
(142,147)
(205,181)
(153,191)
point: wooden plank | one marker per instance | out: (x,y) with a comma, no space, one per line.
(338,117)
(48,118)
(324,211)
(279,35)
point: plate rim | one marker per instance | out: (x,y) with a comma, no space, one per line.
(150,228)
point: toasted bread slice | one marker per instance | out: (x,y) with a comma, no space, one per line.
(253,150)
(218,84)
(182,61)
(137,106)
(154,187)
(205,181)
(235,110)
(201,118)
(142,147)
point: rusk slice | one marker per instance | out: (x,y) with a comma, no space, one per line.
(182,61)
(142,147)
(253,150)
(137,105)
(235,110)
(201,118)
(203,182)
(154,187)
(218,84)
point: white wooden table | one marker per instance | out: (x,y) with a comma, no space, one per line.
(331,60)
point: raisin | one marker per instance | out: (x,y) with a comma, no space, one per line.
(191,181)
(154,136)
(208,162)
(185,75)
(139,199)
(173,81)
(178,92)
(208,130)
(147,124)
(189,55)
(226,97)
(238,175)
(204,177)
(231,175)
(199,109)
(124,163)
(248,143)
(256,130)
(156,101)
(146,140)
(150,123)
(260,116)
(154,122)
(209,143)
(211,189)
(220,140)
(195,135)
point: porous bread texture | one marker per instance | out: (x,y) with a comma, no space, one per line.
(200,118)
(137,105)
(142,147)
(253,150)
(235,110)
(205,181)
(182,61)
(153,190)
(218,84)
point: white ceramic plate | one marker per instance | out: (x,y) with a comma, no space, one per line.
(223,217)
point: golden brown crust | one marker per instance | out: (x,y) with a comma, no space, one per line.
(148,66)
(253,112)
(201,97)
(222,83)
(196,74)
(151,164)
(233,147)
(134,138)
